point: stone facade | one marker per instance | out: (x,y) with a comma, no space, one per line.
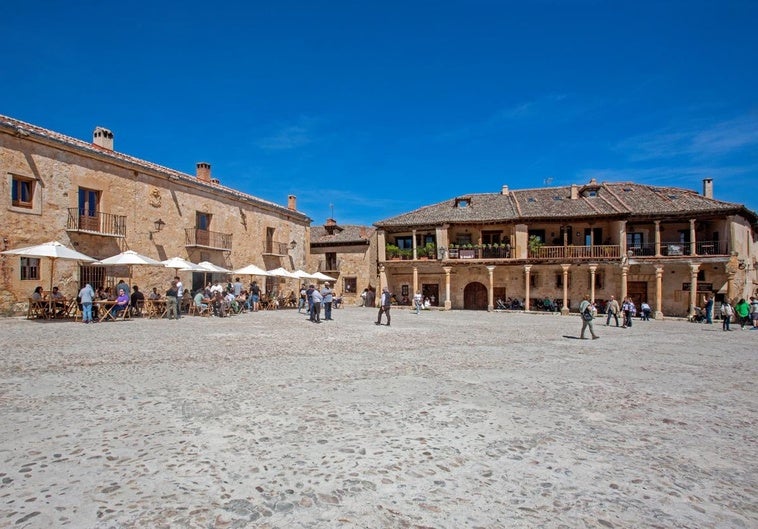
(101,202)
(650,243)
(347,253)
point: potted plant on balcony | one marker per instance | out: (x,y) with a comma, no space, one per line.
(429,250)
(392,251)
(405,253)
(534,244)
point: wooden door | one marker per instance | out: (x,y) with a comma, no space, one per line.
(475,296)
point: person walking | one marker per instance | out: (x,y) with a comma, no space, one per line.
(385,304)
(316,299)
(742,313)
(708,309)
(613,311)
(726,315)
(586,312)
(171,301)
(303,299)
(417,301)
(627,307)
(328,295)
(86,296)
(179,295)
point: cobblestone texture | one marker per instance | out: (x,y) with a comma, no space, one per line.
(444,420)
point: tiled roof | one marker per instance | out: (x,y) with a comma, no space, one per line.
(618,199)
(23,129)
(342,235)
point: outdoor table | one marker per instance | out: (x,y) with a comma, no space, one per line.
(156,308)
(104,307)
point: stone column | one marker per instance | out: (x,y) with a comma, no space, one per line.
(527,269)
(657,238)
(565,309)
(593,271)
(624,274)
(415,280)
(382,278)
(490,294)
(448,302)
(413,241)
(658,293)
(693,288)
(693,236)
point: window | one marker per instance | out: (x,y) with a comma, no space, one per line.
(599,279)
(559,280)
(29,268)
(89,200)
(404,243)
(538,233)
(634,240)
(349,285)
(462,202)
(534,280)
(491,237)
(203,221)
(22,192)
(331,261)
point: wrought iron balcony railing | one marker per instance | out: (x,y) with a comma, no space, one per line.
(96,222)
(207,239)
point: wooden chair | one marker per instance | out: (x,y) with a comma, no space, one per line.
(37,309)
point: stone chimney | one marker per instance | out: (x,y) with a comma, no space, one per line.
(103,138)
(204,172)
(574,191)
(292,203)
(330,226)
(708,187)
(504,191)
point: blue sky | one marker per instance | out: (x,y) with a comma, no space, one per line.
(372,109)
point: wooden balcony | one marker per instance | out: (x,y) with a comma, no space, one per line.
(276,248)
(195,237)
(96,223)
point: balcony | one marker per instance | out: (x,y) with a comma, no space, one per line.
(276,248)
(561,253)
(674,249)
(329,266)
(97,223)
(195,237)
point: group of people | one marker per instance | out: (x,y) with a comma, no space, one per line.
(627,309)
(313,300)
(745,313)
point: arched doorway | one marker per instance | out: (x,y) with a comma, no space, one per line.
(475,296)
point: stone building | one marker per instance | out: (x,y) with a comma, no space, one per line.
(347,253)
(667,246)
(101,202)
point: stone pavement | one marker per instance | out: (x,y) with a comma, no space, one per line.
(444,420)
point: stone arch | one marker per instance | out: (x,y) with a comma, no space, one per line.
(475,296)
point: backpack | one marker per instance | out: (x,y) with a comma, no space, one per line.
(587,314)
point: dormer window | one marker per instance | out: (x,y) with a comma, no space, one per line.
(462,202)
(589,193)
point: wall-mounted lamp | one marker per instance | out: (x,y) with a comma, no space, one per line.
(158,224)
(293,244)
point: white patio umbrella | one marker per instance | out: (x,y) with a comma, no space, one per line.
(129,258)
(178,263)
(52,250)
(251,270)
(281,272)
(207,266)
(303,275)
(323,277)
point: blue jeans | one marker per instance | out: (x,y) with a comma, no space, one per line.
(87,311)
(328,310)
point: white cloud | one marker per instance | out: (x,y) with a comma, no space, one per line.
(290,136)
(693,140)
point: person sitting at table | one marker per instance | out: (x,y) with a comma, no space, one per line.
(59,302)
(186,300)
(138,299)
(38,294)
(122,284)
(242,300)
(217,301)
(122,303)
(199,301)
(154,294)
